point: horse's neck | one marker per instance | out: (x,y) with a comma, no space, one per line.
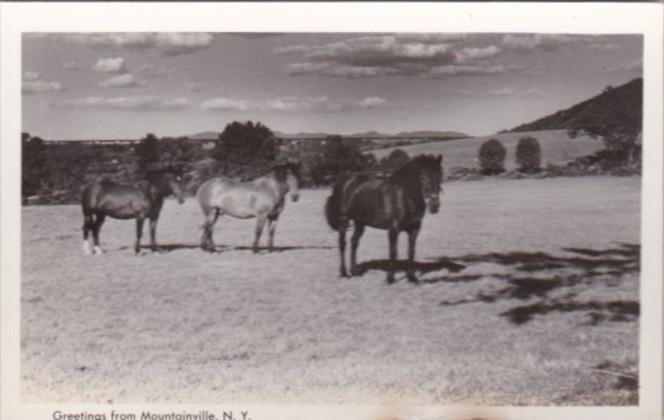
(268,181)
(151,191)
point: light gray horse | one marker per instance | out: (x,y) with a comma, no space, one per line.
(262,198)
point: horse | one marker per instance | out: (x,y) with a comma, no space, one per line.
(104,197)
(396,204)
(262,198)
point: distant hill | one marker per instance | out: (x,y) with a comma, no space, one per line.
(432,134)
(423,134)
(623,102)
(205,135)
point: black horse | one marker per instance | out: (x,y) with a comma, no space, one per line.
(395,204)
(145,199)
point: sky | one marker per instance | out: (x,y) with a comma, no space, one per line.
(125,85)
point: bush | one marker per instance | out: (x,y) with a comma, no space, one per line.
(36,167)
(394,160)
(338,156)
(528,155)
(491,155)
(245,144)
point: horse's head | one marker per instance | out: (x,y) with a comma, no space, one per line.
(167,183)
(289,173)
(431,177)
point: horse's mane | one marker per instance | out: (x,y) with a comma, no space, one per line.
(412,167)
(281,171)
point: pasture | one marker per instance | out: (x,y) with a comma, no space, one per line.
(529,295)
(557,147)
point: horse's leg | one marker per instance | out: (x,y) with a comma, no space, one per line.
(260,223)
(343,225)
(99,220)
(412,239)
(88,225)
(153,233)
(354,243)
(393,236)
(206,240)
(139,233)
(272,228)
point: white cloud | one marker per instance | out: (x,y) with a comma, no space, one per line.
(40,86)
(72,65)
(469,54)
(110,65)
(528,43)
(320,104)
(471,70)
(633,66)
(500,92)
(226,104)
(148,70)
(31,76)
(126,80)
(166,43)
(423,55)
(138,103)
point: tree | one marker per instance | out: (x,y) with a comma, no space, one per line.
(36,166)
(338,156)
(528,155)
(147,153)
(394,160)
(245,143)
(491,155)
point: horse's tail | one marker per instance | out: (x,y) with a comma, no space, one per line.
(333,205)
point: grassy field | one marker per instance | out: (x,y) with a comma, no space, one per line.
(557,147)
(528,296)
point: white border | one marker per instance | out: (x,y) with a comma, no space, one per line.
(646,19)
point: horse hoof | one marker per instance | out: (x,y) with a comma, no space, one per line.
(413,279)
(390,280)
(98,251)
(86,248)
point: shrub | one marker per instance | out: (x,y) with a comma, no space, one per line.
(246,144)
(528,155)
(338,156)
(394,160)
(491,155)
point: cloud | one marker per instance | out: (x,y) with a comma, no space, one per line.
(32,83)
(633,66)
(470,54)
(195,86)
(126,80)
(226,104)
(72,65)
(148,70)
(40,86)
(422,55)
(31,76)
(471,70)
(137,103)
(527,43)
(500,92)
(166,43)
(320,104)
(110,65)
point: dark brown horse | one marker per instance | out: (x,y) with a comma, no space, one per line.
(396,204)
(145,199)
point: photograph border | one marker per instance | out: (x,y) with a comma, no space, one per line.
(581,18)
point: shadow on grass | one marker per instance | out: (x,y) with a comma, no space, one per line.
(580,266)
(218,249)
